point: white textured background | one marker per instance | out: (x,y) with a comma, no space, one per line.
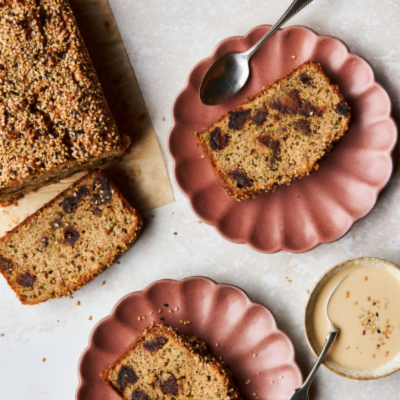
(164,39)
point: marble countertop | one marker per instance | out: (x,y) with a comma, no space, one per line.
(164,39)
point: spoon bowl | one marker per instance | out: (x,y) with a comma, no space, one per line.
(224,78)
(230,72)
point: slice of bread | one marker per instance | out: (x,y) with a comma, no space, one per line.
(162,364)
(69,241)
(278,135)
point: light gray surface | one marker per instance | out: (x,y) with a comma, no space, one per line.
(164,39)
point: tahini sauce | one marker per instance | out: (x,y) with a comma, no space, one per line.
(366,309)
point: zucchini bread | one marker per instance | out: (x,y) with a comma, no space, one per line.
(278,135)
(162,364)
(54,118)
(69,241)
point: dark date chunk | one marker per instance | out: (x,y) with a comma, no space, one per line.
(237,119)
(6,265)
(45,241)
(56,224)
(71,236)
(241,179)
(274,145)
(303,126)
(288,103)
(269,142)
(260,116)
(170,386)
(342,108)
(26,280)
(70,204)
(138,395)
(126,375)
(218,140)
(305,78)
(83,191)
(155,344)
(101,191)
(307,110)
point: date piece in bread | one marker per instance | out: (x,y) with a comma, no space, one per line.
(55,120)
(163,364)
(69,241)
(278,135)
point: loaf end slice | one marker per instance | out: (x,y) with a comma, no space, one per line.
(69,241)
(278,135)
(163,364)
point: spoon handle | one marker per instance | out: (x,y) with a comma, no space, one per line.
(329,340)
(293,9)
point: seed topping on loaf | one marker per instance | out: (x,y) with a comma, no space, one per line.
(278,135)
(52,108)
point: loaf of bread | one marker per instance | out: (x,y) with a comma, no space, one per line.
(69,241)
(55,120)
(278,135)
(163,364)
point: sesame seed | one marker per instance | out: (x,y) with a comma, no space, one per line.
(139,318)
(170,311)
(217,344)
(293,56)
(255,355)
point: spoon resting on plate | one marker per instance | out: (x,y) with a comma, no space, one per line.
(302,393)
(228,74)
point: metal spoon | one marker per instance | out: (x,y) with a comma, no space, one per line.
(302,393)
(230,72)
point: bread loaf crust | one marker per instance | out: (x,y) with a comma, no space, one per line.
(55,118)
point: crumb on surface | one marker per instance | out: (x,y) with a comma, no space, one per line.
(175,233)
(307,291)
(43,359)
(90,318)
(103,283)
(163,118)
(78,303)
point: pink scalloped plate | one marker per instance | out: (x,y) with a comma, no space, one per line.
(320,208)
(219,313)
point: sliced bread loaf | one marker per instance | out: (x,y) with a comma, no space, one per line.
(55,120)
(278,135)
(163,364)
(69,241)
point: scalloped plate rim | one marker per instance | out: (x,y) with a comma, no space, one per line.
(249,302)
(281,246)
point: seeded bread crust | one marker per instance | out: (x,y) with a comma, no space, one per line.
(55,120)
(69,241)
(267,149)
(195,361)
